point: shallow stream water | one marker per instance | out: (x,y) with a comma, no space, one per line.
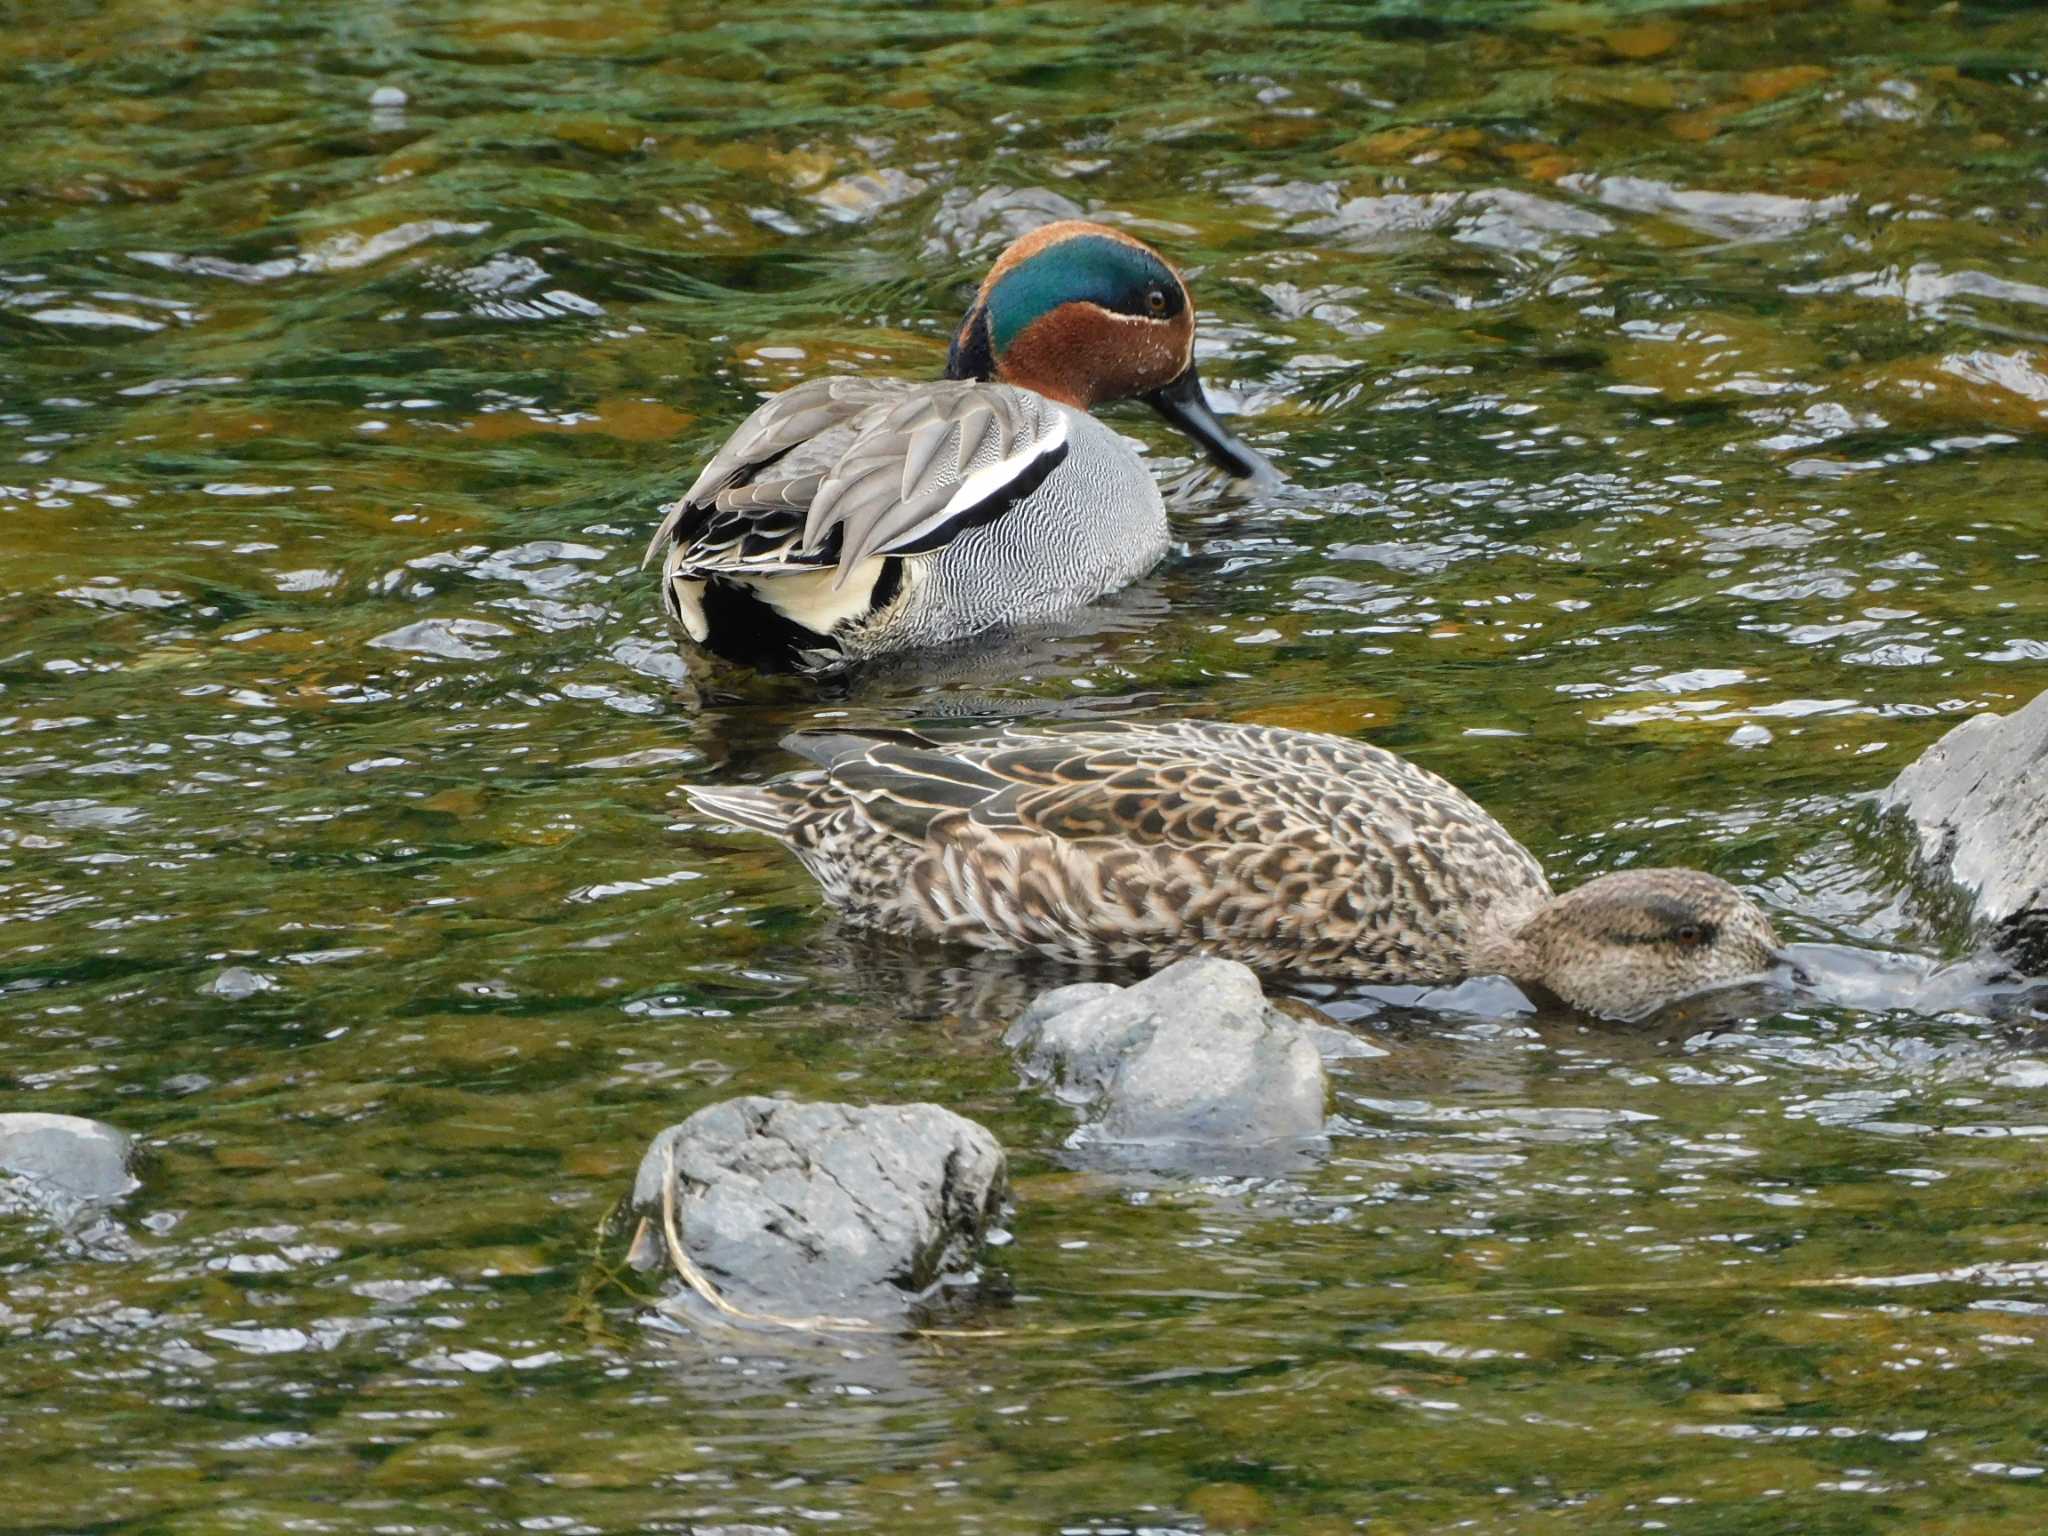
(1664,392)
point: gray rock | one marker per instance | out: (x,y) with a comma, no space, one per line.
(1191,1058)
(238,981)
(856,199)
(69,1157)
(802,1208)
(1978,799)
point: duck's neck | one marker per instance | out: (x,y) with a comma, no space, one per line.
(1500,945)
(972,358)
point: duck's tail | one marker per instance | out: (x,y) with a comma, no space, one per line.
(745,805)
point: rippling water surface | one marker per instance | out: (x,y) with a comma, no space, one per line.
(1665,393)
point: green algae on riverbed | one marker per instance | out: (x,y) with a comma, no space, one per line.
(1664,391)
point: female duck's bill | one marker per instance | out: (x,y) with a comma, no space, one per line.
(849,518)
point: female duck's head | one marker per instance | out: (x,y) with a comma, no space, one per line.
(1084,314)
(1626,944)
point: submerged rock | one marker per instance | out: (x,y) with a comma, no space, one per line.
(967,221)
(238,982)
(67,1157)
(800,1208)
(1189,1061)
(1978,798)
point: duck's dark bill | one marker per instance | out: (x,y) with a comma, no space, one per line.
(1183,403)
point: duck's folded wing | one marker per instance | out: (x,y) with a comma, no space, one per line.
(1100,844)
(922,471)
(737,494)
(1288,850)
(835,471)
(1169,783)
(899,780)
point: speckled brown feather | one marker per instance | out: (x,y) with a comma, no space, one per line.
(1293,852)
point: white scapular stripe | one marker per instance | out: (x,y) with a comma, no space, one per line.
(982,484)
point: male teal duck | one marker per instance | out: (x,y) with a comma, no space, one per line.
(851,517)
(1299,854)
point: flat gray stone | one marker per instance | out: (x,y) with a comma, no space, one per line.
(1189,1060)
(801,1208)
(1978,802)
(67,1155)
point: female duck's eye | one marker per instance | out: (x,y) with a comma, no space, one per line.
(1689,934)
(1155,300)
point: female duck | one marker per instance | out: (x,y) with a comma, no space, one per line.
(1296,853)
(850,517)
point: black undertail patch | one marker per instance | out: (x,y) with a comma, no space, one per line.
(746,630)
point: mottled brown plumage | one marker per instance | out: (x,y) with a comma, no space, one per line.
(1293,852)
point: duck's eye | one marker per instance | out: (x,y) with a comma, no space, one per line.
(1689,935)
(1155,300)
